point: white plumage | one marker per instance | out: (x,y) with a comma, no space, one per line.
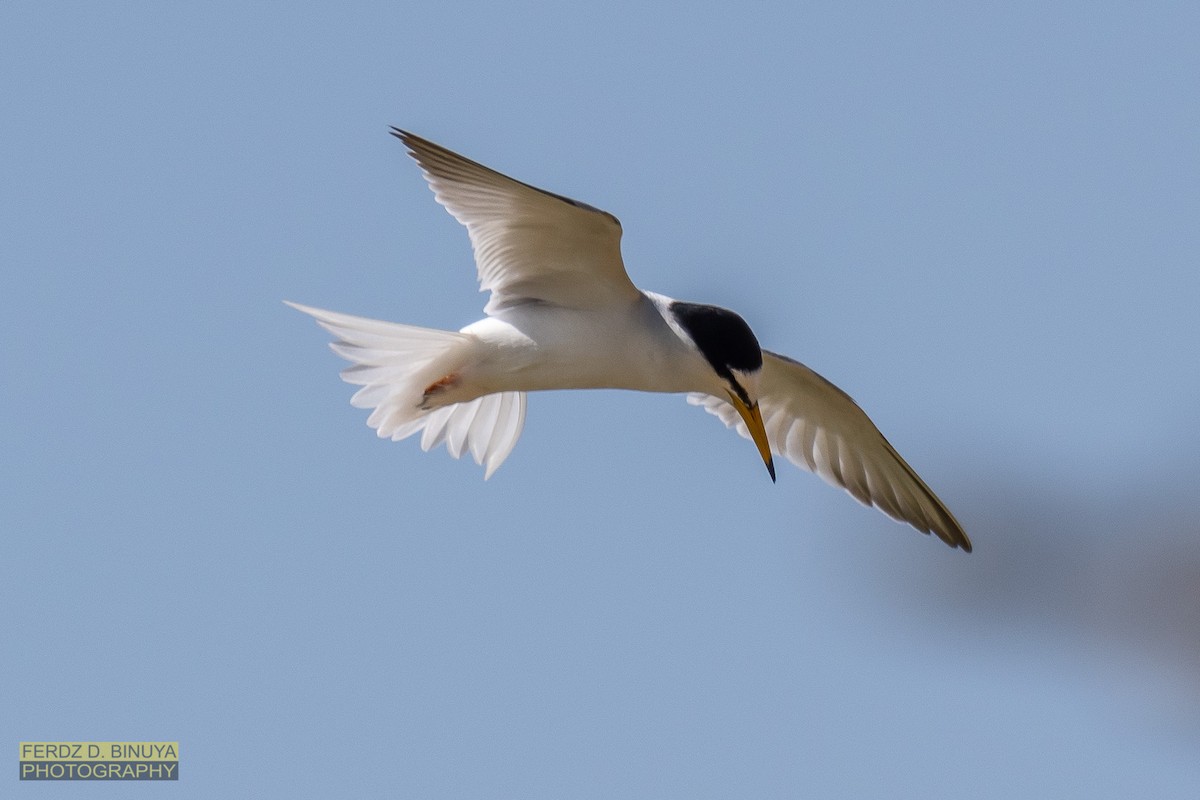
(563,314)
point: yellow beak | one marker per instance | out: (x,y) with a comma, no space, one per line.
(754,423)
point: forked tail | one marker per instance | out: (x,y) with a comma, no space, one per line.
(395,364)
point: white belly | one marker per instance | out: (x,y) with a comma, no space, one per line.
(536,347)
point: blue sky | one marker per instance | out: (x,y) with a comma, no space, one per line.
(981,223)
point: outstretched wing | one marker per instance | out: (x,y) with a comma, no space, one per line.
(530,244)
(816,426)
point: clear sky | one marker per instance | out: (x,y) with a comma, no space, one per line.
(982,223)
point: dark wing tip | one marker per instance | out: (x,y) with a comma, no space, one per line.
(964,542)
(410,140)
(419,148)
(944,525)
(950,531)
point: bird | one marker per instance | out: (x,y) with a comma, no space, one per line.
(562,313)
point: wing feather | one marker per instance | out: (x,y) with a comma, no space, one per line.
(818,427)
(530,244)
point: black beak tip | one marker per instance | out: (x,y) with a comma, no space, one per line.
(771,469)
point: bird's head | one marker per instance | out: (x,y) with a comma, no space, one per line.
(731,349)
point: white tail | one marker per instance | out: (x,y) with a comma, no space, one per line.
(395,363)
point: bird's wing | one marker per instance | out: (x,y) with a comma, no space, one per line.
(816,426)
(530,244)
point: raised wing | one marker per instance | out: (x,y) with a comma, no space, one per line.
(816,426)
(530,244)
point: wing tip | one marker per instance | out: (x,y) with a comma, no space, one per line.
(961,541)
(948,528)
(956,540)
(412,143)
(950,531)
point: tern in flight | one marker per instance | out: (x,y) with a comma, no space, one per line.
(563,314)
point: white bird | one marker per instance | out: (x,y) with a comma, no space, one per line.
(563,314)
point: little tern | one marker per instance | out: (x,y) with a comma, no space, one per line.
(563,314)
